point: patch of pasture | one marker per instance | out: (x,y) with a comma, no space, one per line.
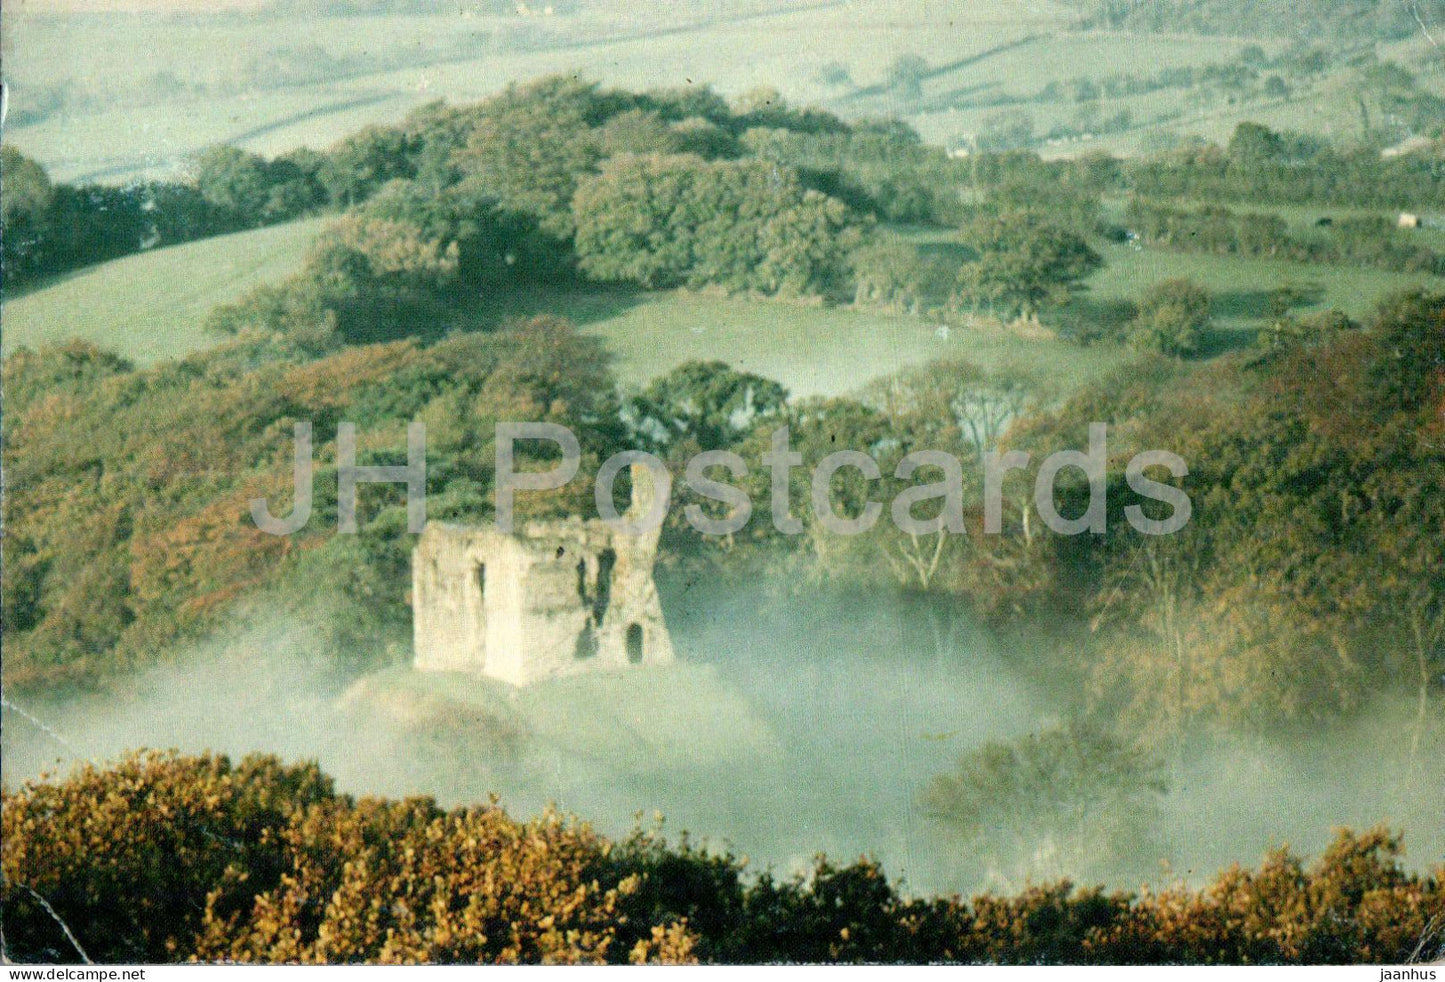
(153,305)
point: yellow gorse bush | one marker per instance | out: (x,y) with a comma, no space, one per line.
(163,857)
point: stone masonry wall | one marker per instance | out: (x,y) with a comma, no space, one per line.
(555,599)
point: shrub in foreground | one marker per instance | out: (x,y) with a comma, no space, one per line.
(171,858)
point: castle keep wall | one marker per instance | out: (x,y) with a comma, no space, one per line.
(555,598)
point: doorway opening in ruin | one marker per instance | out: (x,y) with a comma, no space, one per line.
(586,644)
(634,643)
(481,575)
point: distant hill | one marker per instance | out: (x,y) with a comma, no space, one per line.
(1382,20)
(142,6)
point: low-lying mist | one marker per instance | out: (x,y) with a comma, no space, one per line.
(801,723)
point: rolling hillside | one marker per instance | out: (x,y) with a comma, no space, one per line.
(239,80)
(176,84)
(153,305)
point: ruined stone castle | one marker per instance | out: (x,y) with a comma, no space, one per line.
(553,598)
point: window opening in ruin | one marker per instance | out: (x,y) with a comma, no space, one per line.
(606,560)
(634,643)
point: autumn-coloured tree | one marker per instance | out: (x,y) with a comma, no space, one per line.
(261,862)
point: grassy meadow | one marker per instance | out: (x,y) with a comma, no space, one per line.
(153,305)
(813,350)
(1327,107)
(818,351)
(1240,286)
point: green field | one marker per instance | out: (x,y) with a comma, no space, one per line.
(814,350)
(1241,286)
(1023,70)
(152,305)
(1303,220)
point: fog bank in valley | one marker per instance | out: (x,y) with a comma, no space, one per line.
(799,722)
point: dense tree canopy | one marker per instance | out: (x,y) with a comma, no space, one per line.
(126,512)
(1174,317)
(25,198)
(530,146)
(253,190)
(458,206)
(1023,264)
(1301,584)
(705,405)
(682,221)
